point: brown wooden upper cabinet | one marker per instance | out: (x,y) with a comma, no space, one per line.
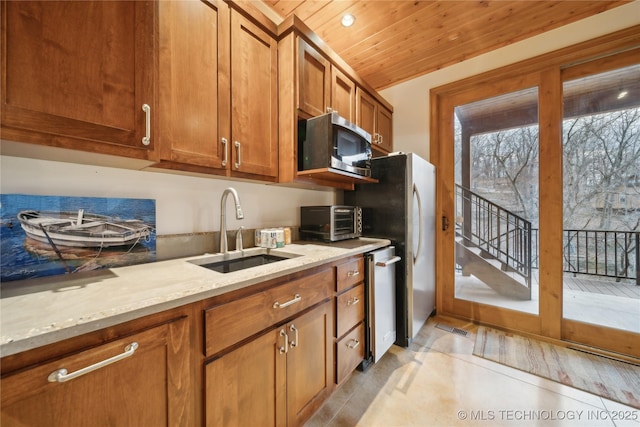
(77,75)
(193,75)
(376,119)
(197,87)
(322,87)
(218,109)
(254,100)
(313,80)
(343,94)
(311,83)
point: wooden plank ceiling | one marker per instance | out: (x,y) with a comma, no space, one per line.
(393,41)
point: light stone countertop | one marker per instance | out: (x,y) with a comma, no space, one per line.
(42,311)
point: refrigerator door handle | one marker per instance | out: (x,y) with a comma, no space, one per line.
(388,262)
(416,193)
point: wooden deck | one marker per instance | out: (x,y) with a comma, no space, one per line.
(605,286)
(590,299)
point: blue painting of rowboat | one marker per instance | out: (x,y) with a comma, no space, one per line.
(51,235)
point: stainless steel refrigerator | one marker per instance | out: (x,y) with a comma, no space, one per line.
(401,208)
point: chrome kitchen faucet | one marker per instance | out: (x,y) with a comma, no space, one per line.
(224,247)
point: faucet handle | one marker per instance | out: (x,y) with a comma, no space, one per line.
(239,239)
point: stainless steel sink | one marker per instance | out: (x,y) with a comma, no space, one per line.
(235,261)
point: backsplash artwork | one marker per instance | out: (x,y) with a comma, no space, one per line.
(50,235)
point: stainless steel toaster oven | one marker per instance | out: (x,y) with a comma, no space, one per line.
(330,223)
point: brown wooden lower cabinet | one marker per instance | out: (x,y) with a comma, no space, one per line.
(261,358)
(146,386)
(277,379)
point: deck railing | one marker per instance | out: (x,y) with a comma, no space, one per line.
(605,253)
(498,232)
(510,239)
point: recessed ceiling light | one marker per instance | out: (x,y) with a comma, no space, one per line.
(622,94)
(348,20)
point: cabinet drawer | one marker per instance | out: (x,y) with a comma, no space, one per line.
(130,382)
(349,353)
(349,309)
(230,323)
(349,274)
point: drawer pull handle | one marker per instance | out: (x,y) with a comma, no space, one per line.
(353,301)
(353,343)
(353,273)
(61,375)
(284,349)
(296,340)
(295,299)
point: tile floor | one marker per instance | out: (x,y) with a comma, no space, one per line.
(438,382)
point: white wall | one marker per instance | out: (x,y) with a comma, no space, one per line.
(410,99)
(184,204)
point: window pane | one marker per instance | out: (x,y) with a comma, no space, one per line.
(601,143)
(497,200)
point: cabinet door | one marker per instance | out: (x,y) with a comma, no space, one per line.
(147,387)
(82,85)
(247,386)
(384,122)
(254,100)
(343,94)
(309,363)
(314,80)
(366,113)
(193,97)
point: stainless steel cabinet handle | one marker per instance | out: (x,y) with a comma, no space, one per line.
(353,343)
(296,298)
(353,273)
(238,148)
(225,151)
(296,340)
(388,262)
(146,140)
(61,375)
(284,349)
(353,301)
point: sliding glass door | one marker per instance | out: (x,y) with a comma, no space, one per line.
(496,203)
(601,187)
(492,209)
(539,196)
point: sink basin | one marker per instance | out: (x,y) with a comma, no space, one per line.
(236,261)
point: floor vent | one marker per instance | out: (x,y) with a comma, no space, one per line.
(452,329)
(593,353)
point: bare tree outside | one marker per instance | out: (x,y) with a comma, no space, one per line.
(601,170)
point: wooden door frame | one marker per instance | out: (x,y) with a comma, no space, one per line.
(548,68)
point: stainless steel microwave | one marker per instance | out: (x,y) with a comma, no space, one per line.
(331,141)
(330,223)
